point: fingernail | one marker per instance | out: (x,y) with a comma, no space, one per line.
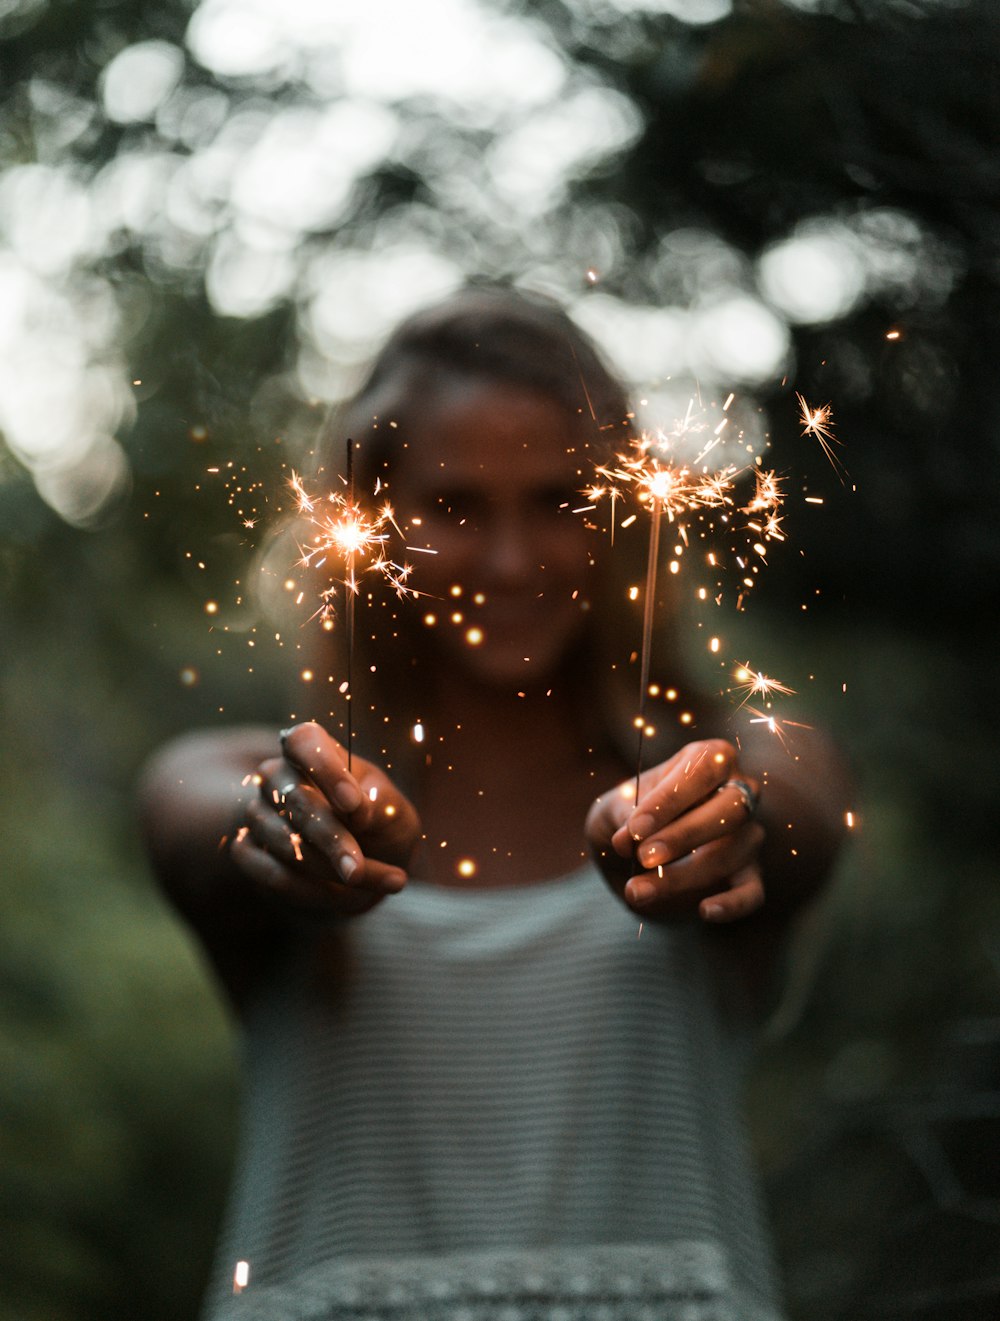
(713,912)
(347,796)
(638,891)
(653,854)
(641,827)
(284,733)
(347,866)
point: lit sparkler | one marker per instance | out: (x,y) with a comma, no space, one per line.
(356,541)
(345,532)
(663,486)
(683,493)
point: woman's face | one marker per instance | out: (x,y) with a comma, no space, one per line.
(492,472)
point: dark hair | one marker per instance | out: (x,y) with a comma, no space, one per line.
(498,334)
(527,341)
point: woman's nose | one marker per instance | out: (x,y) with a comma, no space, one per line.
(507,552)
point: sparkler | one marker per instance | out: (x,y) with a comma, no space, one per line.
(357,539)
(682,493)
(663,486)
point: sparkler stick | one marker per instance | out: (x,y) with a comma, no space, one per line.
(350,590)
(648,609)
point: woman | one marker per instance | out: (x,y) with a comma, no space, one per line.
(477,1088)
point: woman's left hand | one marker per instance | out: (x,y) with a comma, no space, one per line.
(690,842)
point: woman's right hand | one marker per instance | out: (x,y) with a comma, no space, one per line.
(320,837)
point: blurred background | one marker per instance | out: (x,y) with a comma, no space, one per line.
(210,212)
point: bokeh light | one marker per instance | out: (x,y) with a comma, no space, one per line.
(246,164)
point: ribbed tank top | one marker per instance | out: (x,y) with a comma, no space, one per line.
(509,1083)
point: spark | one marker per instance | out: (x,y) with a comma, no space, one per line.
(356,538)
(768,494)
(818,422)
(661,484)
(755,684)
(774,725)
(770,529)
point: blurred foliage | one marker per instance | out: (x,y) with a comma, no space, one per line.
(862,109)
(879,1089)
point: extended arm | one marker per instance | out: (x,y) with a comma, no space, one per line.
(250,834)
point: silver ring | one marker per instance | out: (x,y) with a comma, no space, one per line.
(750,799)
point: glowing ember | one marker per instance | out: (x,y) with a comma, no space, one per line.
(754,684)
(777,727)
(818,422)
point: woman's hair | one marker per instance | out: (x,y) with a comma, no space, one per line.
(523,341)
(501,335)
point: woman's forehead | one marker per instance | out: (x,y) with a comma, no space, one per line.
(475,425)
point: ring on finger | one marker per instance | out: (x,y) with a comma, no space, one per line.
(746,792)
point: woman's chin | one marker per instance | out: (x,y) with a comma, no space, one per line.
(508,667)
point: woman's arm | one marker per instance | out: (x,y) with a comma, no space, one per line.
(251,832)
(806,791)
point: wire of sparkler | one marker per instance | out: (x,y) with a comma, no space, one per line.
(648,610)
(350,589)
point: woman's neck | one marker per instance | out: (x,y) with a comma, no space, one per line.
(506,783)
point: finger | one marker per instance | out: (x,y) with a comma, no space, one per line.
(723,813)
(330,856)
(291,813)
(676,786)
(605,825)
(275,877)
(324,761)
(384,877)
(745,896)
(393,826)
(316,891)
(681,885)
